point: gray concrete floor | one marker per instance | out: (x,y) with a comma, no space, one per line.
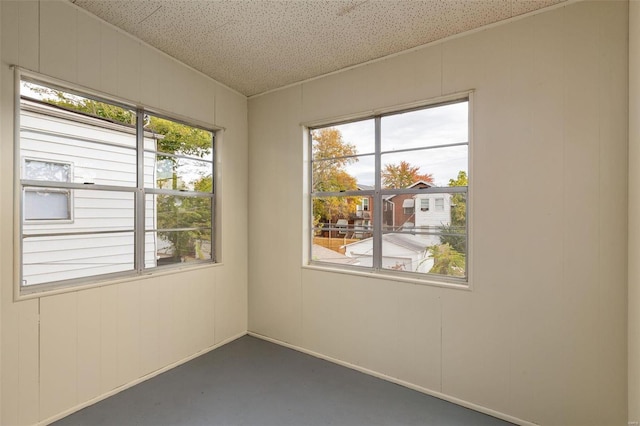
(253,382)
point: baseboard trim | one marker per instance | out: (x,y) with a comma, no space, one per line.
(137,381)
(396,381)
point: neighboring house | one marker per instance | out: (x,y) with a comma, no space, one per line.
(364,214)
(432,211)
(363,218)
(403,213)
(402,252)
(420,212)
(85,150)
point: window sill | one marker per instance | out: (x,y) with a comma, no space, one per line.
(390,277)
(27,294)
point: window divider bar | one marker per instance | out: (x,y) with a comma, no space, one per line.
(185,157)
(139,212)
(383,192)
(72,185)
(70,234)
(377,199)
(178,193)
(425,148)
(343,157)
(179,229)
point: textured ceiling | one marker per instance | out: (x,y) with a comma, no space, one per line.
(257,45)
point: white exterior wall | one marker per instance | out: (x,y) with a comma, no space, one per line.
(60,352)
(541,336)
(433,217)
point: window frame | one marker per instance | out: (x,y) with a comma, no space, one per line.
(140,192)
(379,193)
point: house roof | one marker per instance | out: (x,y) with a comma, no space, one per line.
(319,252)
(407,241)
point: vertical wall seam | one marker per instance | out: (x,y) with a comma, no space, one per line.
(39,35)
(39,348)
(441,343)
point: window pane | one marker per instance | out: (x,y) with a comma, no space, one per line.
(342,140)
(98,241)
(64,257)
(92,211)
(99,155)
(46,171)
(44,204)
(180,230)
(177,247)
(177,138)
(435,167)
(180,174)
(62,100)
(344,175)
(97,138)
(440,125)
(339,222)
(427,241)
(173,211)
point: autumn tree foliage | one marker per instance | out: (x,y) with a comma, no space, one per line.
(402,175)
(331,156)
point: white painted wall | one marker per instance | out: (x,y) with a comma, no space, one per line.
(62,351)
(542,336)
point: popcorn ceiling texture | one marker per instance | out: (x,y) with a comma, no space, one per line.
(254,46)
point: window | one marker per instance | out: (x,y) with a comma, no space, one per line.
(140,194)
(365,204)
(404,160)
(407,206)
(44,203)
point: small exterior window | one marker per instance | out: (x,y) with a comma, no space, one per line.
(407,206)
(365,204)
(42,204)
(439,204)
(424,204)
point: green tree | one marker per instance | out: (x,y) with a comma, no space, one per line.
(175,214)
(331,155)
(455,234)
(447,261)
(459,201)
(84,105)
(402,175)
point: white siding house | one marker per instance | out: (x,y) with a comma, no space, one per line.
(432,211)
(59,145)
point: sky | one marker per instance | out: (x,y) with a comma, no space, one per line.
(447,124)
